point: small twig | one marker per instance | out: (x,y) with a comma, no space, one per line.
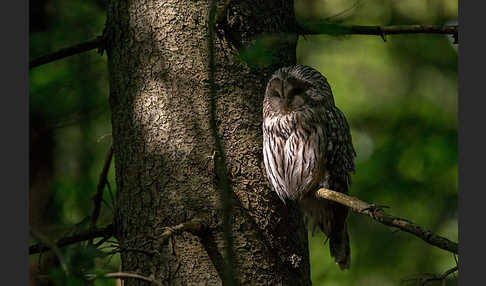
(411,29)
(192,226)
(335,29)
(102,137)
(106,204)
(126,275)
(355,5)
(103,240)
(45,241)
(87,235)
(67,52)
(441,277)
(379,215)
(101,186)
(449,272)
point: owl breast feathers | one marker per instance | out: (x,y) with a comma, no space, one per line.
(307,145)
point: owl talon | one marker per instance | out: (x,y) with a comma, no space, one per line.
(373,209)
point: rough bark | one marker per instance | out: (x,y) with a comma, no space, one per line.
(158,62)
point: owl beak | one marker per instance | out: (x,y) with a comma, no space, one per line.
(285,100)
(285,106)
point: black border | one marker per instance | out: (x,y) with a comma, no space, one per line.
(471,143)
(15,150)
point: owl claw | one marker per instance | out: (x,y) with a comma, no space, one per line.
(373,209)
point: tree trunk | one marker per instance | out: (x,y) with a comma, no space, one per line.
(164,148)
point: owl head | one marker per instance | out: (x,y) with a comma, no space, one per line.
(295,88)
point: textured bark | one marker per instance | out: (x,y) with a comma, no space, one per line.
(158,62)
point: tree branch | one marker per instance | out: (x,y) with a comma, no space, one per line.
(87,235)
(379,215)
(98,42)
(126,275)
(309,28)
(441,277)
(304,29)
(192,226)
(101,186)
(422,279)
(45,241)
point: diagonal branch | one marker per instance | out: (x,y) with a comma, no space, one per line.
(441,277)
(98,42)
(193,226)
(423,279)
(309,28)
(223,182)
(101,186)
(87,235)
(379,215)
(45,241)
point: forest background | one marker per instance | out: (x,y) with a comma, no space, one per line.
(400,98)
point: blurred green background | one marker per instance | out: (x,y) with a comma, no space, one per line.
(400,98)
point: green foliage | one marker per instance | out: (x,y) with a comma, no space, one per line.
(262,52)
(69,103)
(71,97)
(81,266)
(59,277)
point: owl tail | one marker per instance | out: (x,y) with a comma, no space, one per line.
(339,246)
(330,218)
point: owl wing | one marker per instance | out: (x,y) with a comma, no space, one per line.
(339,150)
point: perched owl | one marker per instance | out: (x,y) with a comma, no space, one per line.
(307,145)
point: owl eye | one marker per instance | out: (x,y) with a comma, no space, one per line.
(297,91)
(274,93)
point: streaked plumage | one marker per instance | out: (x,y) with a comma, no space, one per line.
(307,145)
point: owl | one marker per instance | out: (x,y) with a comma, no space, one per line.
(306,146)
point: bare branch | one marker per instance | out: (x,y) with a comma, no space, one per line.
(98,42)
(442,277)
(379,215)
(306,29)
(101,186)
(45,241)
(335,29)
(126,275)
(87,235)
(423,279)
(192,226)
